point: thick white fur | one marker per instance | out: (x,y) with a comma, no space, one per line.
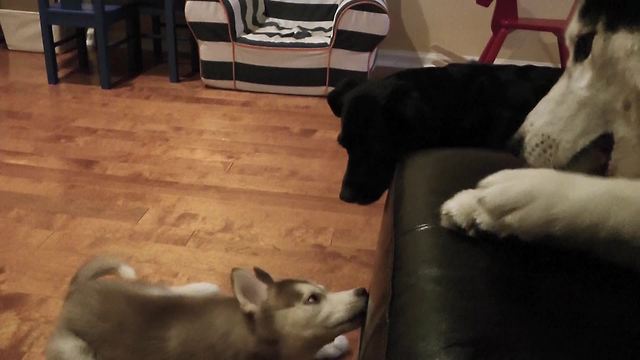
(65,345)
(196,289)
(337,348)
(599,95)
(532,203)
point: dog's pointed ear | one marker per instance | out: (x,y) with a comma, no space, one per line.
(263,276)
(336,97)
(249,290)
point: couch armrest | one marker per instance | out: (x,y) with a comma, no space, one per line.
(441,295)
(360,25)
(421,184)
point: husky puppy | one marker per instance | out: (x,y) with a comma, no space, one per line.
(121,319)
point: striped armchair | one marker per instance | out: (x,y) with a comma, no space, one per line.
(303,47)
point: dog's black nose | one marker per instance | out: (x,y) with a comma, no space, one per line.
(515,145)
(347,195)
(361,292)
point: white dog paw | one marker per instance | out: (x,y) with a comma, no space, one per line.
(527,203)
(464,212)
(459,211)
(337,348)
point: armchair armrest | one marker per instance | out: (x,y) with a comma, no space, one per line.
(360,25)
(215,20)
(437,294)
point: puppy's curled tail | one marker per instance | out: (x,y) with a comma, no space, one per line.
(102,266)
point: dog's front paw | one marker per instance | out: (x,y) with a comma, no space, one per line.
(463,212)
(337,348)
(527,203)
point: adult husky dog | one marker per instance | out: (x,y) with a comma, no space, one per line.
(590,120)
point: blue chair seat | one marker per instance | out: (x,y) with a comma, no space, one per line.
(85,8)
(83,16)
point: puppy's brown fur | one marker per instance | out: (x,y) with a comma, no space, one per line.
(115,319)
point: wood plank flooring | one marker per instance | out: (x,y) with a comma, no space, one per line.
(183,181)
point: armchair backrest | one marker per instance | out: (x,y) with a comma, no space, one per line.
(307,11)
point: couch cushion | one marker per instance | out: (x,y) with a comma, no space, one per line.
(285,33)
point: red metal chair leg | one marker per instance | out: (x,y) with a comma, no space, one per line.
(564,51)
(490,52)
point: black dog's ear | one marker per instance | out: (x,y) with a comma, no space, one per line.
(362,108)
(399,95)
(336,97)
(363,126)
(412,116)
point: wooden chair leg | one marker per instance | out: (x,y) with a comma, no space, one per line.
(49,52)
(102,44)
(81,47)
(134,46)
(493,46)
(156,29)
(172,46)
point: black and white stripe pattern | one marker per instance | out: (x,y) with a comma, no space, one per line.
(295,23)
(360,28)
(286,46)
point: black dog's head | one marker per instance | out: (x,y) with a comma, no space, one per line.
(375,120)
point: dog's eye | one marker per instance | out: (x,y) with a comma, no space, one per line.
(312,299)
(583,47)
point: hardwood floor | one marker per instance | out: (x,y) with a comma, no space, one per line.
(183,181)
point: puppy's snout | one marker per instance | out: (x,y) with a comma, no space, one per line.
(361,292)
(514,146)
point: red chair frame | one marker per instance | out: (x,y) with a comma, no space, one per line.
(506,19)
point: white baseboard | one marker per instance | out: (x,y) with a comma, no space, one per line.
(410,59)
(407,59)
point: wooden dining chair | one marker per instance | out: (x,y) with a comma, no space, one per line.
(97,15)
(170,15)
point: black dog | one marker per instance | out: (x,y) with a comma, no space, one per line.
(470,105)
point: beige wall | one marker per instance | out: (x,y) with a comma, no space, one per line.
(25,5)
(463,27)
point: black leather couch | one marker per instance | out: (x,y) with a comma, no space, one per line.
(440,295)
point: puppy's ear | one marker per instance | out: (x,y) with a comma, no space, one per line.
(336,97)
(263,276)
(250,291)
